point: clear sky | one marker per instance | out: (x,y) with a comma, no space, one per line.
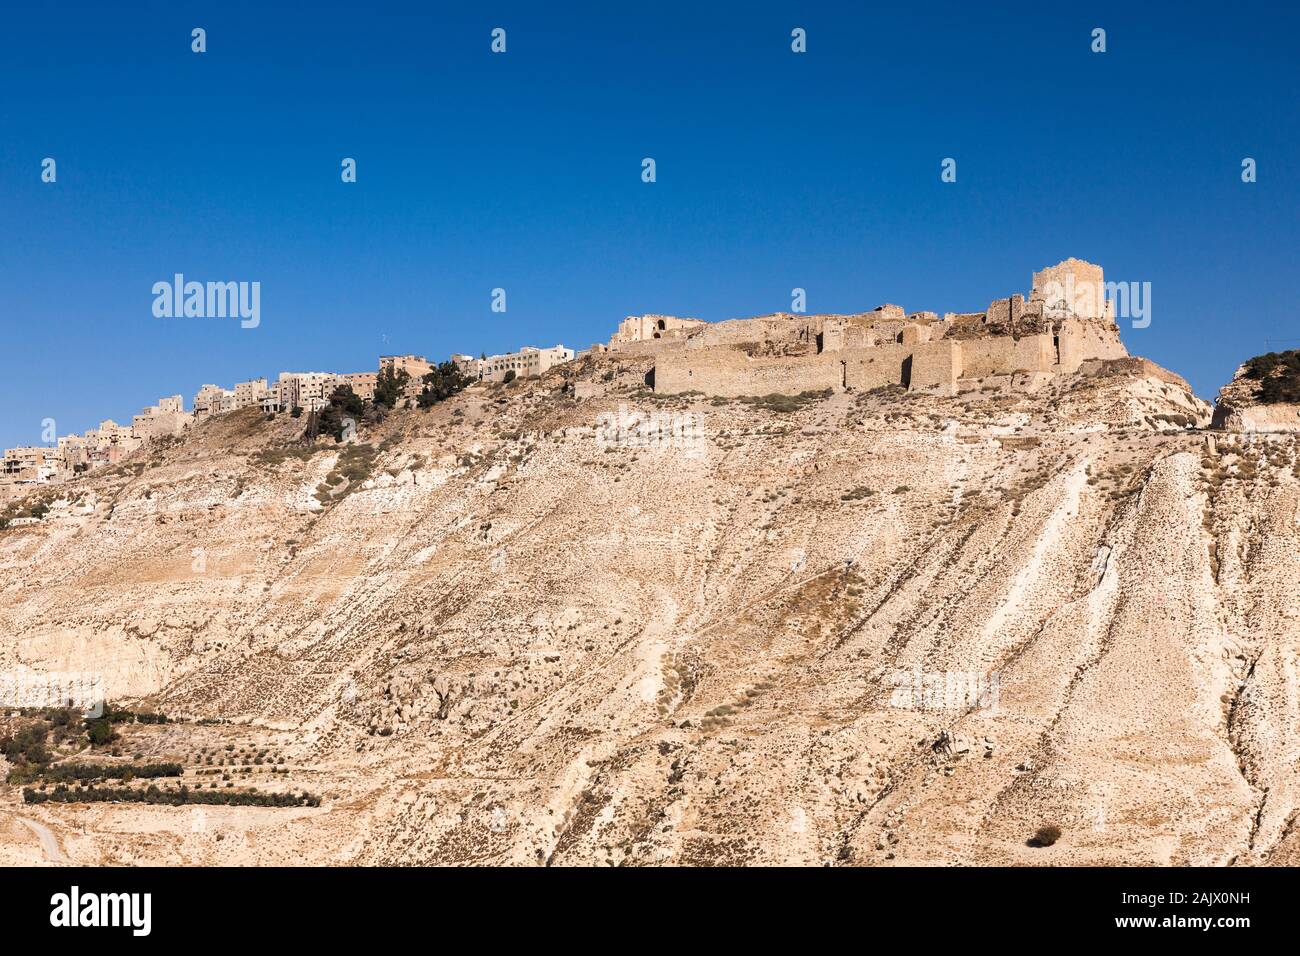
(522,171)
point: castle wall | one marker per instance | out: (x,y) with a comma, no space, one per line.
(1080,341)
(999,312)
(731,373)
(790,353)
(870,368)
(638,328)
(937,365)
(650,346)
(1002,354)
(782,328)
(983,357)
(1034,353)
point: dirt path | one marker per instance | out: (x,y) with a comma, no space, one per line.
(49,842)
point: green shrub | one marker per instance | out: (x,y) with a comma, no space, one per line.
(1278,374)
(100,731)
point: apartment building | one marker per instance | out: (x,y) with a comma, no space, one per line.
(528,362)
(168,417)
(309,391)
(363,383)
(37,463)
(416,366)
(213,400)
(76,453)
(250,394)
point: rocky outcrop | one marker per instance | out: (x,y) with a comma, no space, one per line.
(1244,404)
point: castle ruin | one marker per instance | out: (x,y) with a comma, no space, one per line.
(1065,320)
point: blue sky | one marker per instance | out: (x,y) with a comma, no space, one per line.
(522,171)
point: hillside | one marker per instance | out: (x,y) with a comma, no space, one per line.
(1263,396)
(505,637)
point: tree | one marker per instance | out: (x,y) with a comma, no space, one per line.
(100,731)
(344,404)
(441,382)
(389,387)
(510,376)
(1278,374)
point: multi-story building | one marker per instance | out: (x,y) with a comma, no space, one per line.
(528,362)
(309,391)
(212,400)
(467,364)
(40,463)
(416,366)
(76,453)
(168,417)
(363,383)
(250,394)
(109,432)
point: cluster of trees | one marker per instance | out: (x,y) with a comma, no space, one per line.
(345,406)
(19,509)
(87,772)
(100,731)
(181,796)
(439,383)
(1278,374)
(390,386)
(25,748)
(117,715)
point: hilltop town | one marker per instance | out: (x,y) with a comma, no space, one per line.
(1022,342)
(1065,324)
(294,393)
(876,589)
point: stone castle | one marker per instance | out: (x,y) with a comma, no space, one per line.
(1065,321)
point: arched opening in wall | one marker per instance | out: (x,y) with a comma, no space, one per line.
(650,378)
(907,372)
(1056,346)
(662,325)
(657,335)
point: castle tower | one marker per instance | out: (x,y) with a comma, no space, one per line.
(1072,288)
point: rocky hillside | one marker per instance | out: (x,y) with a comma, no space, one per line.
(855,629)
(1264,395)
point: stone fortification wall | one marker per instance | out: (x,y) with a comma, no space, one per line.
(1080,341)
(788,353)
(731,373)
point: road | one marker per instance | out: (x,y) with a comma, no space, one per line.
(49,842)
